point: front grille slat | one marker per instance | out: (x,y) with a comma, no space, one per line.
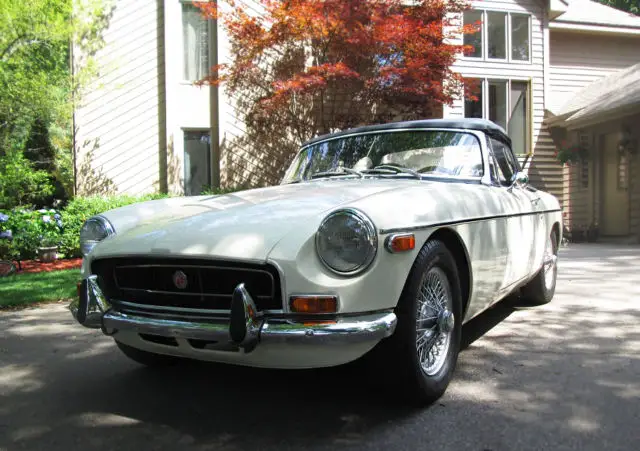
(210,284)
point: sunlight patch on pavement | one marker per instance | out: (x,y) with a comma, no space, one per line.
(90,419)
(29,432)
(91,351)
(15,378)
(55,329)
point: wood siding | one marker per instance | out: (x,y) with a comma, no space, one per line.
(544,171)
(118,119)
(578,60)
(243,162)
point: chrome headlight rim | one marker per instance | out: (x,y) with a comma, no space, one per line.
(104,223)
(371,230)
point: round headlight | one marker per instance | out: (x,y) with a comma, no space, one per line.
(346,242)
(93,231)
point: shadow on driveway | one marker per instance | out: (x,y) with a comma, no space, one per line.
(562,376)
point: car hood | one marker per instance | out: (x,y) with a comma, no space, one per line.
(244,225)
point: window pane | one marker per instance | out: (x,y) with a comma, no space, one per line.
(496,35)
(518,121)
(195,36)
(475,39)
(197,164)
(474,108)
(506,167)
(498,102)
(520,37)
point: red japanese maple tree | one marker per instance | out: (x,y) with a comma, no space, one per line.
(305,67)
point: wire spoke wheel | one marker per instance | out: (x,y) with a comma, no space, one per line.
(550,264)
(435,321)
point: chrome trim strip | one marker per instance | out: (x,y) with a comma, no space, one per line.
(369,327)
(179,309)
(180,293)
(462,221)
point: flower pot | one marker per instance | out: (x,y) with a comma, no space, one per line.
(47,254)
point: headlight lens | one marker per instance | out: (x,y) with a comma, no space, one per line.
(93,231)
(346,242)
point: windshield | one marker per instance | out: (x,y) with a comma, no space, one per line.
(425,152)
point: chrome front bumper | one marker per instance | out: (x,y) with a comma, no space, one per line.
(246,327)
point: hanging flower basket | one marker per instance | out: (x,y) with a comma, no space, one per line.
(572,153)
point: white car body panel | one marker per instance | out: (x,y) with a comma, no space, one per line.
(278,224)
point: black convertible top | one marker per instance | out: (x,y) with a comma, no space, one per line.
(483,125)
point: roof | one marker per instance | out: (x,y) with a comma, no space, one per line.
(588,12)
(616,93)
(482,125)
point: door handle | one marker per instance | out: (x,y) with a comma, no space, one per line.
(535,201)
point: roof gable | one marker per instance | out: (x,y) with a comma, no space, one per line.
(589,12)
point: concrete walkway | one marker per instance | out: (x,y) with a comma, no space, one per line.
(558,377)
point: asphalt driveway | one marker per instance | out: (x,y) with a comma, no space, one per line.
(562,376)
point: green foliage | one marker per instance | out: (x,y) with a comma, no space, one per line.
(82,208)
(24,289)
(632,6)
(37,89)
(20,183)
(31,230)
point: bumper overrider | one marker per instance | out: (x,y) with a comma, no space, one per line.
(246,328)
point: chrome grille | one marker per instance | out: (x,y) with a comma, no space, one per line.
(148,282)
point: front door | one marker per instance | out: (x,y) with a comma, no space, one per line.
(615,189)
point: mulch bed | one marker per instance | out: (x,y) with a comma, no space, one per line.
(35,266)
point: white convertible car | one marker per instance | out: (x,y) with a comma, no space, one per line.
(382,239)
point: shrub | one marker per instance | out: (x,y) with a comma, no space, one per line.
(82,208)
(30,230)
(20,182)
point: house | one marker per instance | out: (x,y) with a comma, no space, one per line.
(551,72)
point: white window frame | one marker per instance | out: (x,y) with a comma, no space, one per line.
(210,30)
(484,86)
(508,31)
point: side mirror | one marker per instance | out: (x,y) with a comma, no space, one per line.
(519,179)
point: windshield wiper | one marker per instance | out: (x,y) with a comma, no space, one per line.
(393,169)
(341,171)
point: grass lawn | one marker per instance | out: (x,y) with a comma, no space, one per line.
(24,289)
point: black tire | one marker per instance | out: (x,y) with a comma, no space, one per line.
(399,353)
(149,359)
(537,292)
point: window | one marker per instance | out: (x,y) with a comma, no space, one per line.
(197,162)
(505,102)
(507,35)
(475,39)
(195,41)
(506,166)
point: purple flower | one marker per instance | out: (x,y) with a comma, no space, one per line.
(6,235)
(46,218)
(3,217)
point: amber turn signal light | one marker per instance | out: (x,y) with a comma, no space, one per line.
(314,304)
(401,243)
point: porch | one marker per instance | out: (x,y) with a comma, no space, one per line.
(597,136)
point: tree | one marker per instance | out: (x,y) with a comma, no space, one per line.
(632,6)
(307,67)
(36,88)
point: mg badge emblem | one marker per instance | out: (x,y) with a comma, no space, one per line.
(180,280)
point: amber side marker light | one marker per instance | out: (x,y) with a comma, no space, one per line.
(401,243)
(314,304)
